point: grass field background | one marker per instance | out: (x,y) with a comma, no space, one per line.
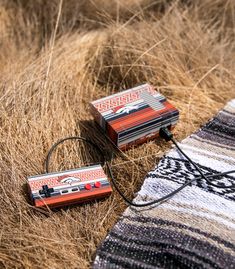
(56,57)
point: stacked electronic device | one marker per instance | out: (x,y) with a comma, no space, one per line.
(134,116)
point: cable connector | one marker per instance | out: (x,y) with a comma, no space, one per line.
(166,134)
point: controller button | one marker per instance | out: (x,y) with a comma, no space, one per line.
(75,189)
(65,191)
(88,186)
(97,184)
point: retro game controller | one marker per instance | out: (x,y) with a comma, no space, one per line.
(72,186)
(69,187)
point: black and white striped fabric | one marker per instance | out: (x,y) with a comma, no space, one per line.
(195,228)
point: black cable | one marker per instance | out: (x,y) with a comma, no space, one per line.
(167,135)
(198,169)
(164,197)
(72,138)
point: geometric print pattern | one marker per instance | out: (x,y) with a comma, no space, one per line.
(122,99)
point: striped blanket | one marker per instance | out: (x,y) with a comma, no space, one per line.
(195,228)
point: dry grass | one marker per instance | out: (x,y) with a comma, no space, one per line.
(184,48)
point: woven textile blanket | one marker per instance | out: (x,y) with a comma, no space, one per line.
(196,227)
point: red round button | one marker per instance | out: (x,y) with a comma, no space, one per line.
(88,186)
(97,184)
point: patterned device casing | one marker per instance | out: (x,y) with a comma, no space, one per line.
(134,116)
(69,187)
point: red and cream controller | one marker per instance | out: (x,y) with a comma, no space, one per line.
(69,187)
